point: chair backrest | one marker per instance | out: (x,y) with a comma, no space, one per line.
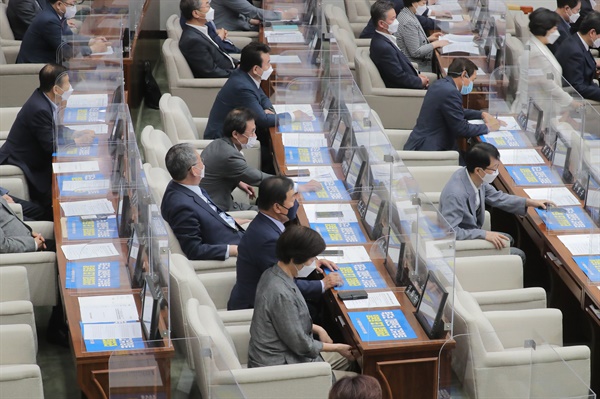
(336,16)
(5,29)
(161,143)
(356,9)
(366,71)
(432,178)
(174,29)
(158,179)
(177,119)
(14,285)
(522,27)
(175,63)
(346,42)
(514,49)
(147,145)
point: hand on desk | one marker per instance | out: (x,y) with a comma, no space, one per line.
(497,239)
(300,116)
(492,123)
(83,137)
(440,43)
(440,14)
(311,186)
(98,44)
(539,204)
(328,264)
(248,189)
(332,280)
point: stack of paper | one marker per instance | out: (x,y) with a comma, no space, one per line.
(91,207)
(461,47)
(525,156)
(284,37)
(581,244)
(285,59)
(75,167)
(319,173)
(310,140)
(89,251)
(87,101)
(561,196)
(348,254)
(375,300)
(458,38)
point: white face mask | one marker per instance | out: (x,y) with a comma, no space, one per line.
(265,75)
(552,37)
(489,177)
(393,27)
(597,42)
(251,142)
(421,10)
(574,17)
(202,172)
(305,270)
(67,93)
(210,15)
(70,12)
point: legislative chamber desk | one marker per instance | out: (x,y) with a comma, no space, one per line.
(406,369)
(93,367)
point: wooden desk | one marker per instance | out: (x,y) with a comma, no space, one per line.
(93,367)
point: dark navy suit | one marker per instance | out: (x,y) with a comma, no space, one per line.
(202,233)
(225,45)
(204,58)
(30,144)
(256,253)
(395,69)
(442,119)
(240,90)
(564,28)
(579,67)
(586,8)
(426,22)
(45,36)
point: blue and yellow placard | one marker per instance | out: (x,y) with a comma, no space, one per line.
(330,191)
(359,276)
(307,156)
(81,115)
(340,233)
(304,127)
(112,344)
(590,266)
(566,218)
(78,229)
(533,175)
(92,275)
(80,177)
(508,139)
(383,325)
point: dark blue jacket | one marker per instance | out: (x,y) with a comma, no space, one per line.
(45,36)
(30,144)
(586,8)
(203,57)
(564,28)
(256,253)
(240,90)
(225,45)
(426,22)
(579,67)
(443,119)
(395,69)
(201,232)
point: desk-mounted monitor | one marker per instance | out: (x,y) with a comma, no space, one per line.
(549,143)
(533,122)
(116,139)
(592,199)
(431,307)
(151,301)
(117,97)
(124,212)
(342,138)
(375,213)
(354,165)
(562,158)
(117,173)
(137,254)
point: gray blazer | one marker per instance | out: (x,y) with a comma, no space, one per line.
(458,205)
(236,14)
(15,236)
(225,166)
(281,329)
(413,41)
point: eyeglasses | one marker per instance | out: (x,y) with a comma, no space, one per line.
(493,170)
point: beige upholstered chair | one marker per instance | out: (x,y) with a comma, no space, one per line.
(156,145)
(522,27)
(220,372)
(336,16)
(358,11)
(17,81)
(397,108)
(490,350)
(173,27)
(347,45)
(199,94)
(514,50)
(7,118)
(15,304)
(7,38)
(20,376)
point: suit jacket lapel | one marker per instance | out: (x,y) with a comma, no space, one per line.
(269,222)
(472,202)
(481,213)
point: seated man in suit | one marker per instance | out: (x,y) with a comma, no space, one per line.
(15,235)
(226,167)
(395,69)
(30,142)
(242,89)
(442,118)
(427,23)
(277,204)
(242,15)
(218,36)
(45,35)
(568,11)
(578,64)
(204,231)
(31,211)
(469,190)
(205,58)
(20,13)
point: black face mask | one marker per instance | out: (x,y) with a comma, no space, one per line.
(293,210)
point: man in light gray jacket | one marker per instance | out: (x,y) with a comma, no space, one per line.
(16,236)
(242,15)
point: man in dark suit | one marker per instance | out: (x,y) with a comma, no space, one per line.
(442,118)
(578,64)
(277,205)
(586,8)
(204,231)
(395,69)
(205,58)
(568,11)
(219,36)
(426,22)
(49,28)
(20,13)
(30,142)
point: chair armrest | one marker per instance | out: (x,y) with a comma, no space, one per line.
(517,299)
(288,372)
(514,327)
(15,185)
(478,248)
(21,381)
(13,284)
(543,354)
(46,229)
(15,308)
(241,33)
(201,124)
(244,214)
(240,41)
(17,343)
(11,53)
(41,274)
(240,335)
(236,317)
(362,42)
(198,144)
(386,92)
(491,273)
(208,266)
(20,69)
(216,83)
(428,158)
(17,209)
(219,286)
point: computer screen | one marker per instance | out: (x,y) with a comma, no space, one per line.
(137,255)
(533,123)
(431,306)
(375,214)
(338,135)
(150,310)
(124,214)
(353,167)
(561,159)
(592,199)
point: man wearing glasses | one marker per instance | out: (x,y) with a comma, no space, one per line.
(469,190)
(44,37)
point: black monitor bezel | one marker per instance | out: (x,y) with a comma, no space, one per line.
(436,330)
(149,287)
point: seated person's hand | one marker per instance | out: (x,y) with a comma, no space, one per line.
(291,13)
(434,37)
(440,14)
(540,204)
(39,240)
(425,81)
(83,137)
(269,112)
(440,43)
(248,189)
(222,33)
(346,351)
(496,238)
(241,221)
(332,280)
(8,199)
(300,116)
(328,264)
(233,250)
(254,21)
(311,186)
(98,44)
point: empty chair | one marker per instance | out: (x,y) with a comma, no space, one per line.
(199,94)
(432,179)
(224,370)
(397,108)
(358,11)
(156,145)
(336,16)
(20,376)
(15,304)
(347,45)
(17,81)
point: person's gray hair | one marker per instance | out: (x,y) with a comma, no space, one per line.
(179,159)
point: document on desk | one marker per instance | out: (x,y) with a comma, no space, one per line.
(290,108)
(375,300)
(511,123)
(85,185)
(504,139)
(285,59)
(581,244)
(108,309)
(350,254)
(330,213)
(284,37)
(99,128)
(75,167)
(109,51)
(87,101)
(89,251)
(319,173)
(561,196)
(451,18)
(89,207)
(451,6)
(452,38)
(523,156)
(309,140)
(100,331)
(461,47)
